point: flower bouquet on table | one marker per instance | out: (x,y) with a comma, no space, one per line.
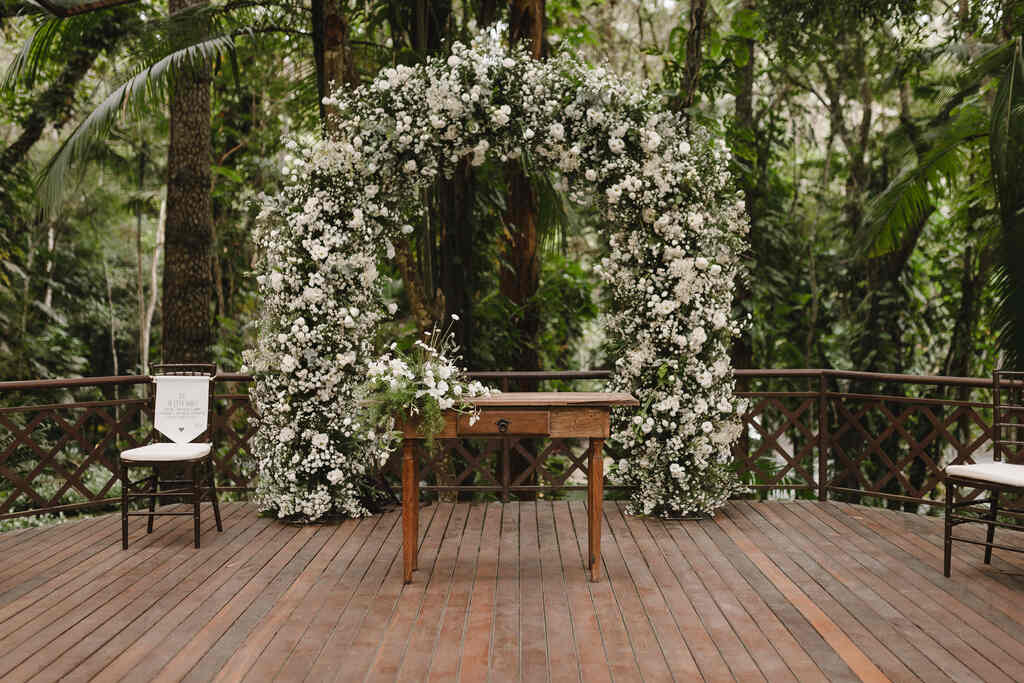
(421,385)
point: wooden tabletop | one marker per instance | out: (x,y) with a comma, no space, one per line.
(543,399)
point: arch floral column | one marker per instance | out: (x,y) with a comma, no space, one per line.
(676,228)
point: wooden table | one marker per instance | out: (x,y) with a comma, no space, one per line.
(563,415)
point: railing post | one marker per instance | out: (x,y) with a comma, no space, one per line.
(823,441)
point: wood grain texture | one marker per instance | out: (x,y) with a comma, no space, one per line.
(772,591)
(517,399)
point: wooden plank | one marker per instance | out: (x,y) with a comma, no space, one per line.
(518,399)
(579,422)
(958,619)
(505,640)
(706,559)
(96,650)
(532,629)
(422,643)
(48,602)
(321,637)
(33,656)
(44,559)
(678,549)
(858,662)
(147,655)
(560,640)
(868,630)
(653,602)
(987,590)
(927,635)
(696,636)
(497,422)
(1006,614)
(644,642)
(476,648)
(620,656)
(444,665)
(725,557)
(299,624)
(12,537)
(311,576)
(64,593)
(243,591)
(386,637)
(41,546)
(511,586)
(594,665)
(247,621)
(383,634)
(834,570)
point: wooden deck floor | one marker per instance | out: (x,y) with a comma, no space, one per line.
(766,591)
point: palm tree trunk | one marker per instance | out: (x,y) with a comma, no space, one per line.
(187,332)
(520,275)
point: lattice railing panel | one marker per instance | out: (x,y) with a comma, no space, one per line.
(779,445)
(899,445)
(63,455)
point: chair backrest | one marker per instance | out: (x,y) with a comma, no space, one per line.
(182,400)
(1007,413)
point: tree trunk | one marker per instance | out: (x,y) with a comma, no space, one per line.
(520,274)
(456,262)
(331,50)
(187,332)
(694,51)
(743,347)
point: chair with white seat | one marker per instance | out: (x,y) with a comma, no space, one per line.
(997,477)
(182,398)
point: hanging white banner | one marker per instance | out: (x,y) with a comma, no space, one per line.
(182,406)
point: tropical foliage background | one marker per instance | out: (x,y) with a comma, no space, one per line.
(879,144)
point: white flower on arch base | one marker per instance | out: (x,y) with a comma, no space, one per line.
(675,228)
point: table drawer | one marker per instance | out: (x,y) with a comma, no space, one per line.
(499,422)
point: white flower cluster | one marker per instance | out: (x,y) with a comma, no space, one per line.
(420,386)
(677,230)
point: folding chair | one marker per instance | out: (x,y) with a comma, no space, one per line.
(997,477)
(183,398)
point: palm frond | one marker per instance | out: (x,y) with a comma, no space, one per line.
(908,199)
(1006,140)
(149,86)
(25,66)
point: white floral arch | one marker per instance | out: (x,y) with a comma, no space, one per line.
(670,270)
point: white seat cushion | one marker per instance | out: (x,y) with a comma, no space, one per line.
(167,452)
(996,472)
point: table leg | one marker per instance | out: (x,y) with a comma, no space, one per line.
(595,496)
(410,510)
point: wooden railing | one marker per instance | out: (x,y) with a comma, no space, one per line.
(811,433)
(60,439)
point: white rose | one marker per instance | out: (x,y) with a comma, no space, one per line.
(276,281)
(557,131)
(616,145)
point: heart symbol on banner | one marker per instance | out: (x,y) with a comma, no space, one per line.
(181,429)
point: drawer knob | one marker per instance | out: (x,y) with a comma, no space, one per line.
(502,425)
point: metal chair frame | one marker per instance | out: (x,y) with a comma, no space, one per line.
(1002,413)
(181,487)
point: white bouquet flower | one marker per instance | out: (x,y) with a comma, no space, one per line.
(420,386)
